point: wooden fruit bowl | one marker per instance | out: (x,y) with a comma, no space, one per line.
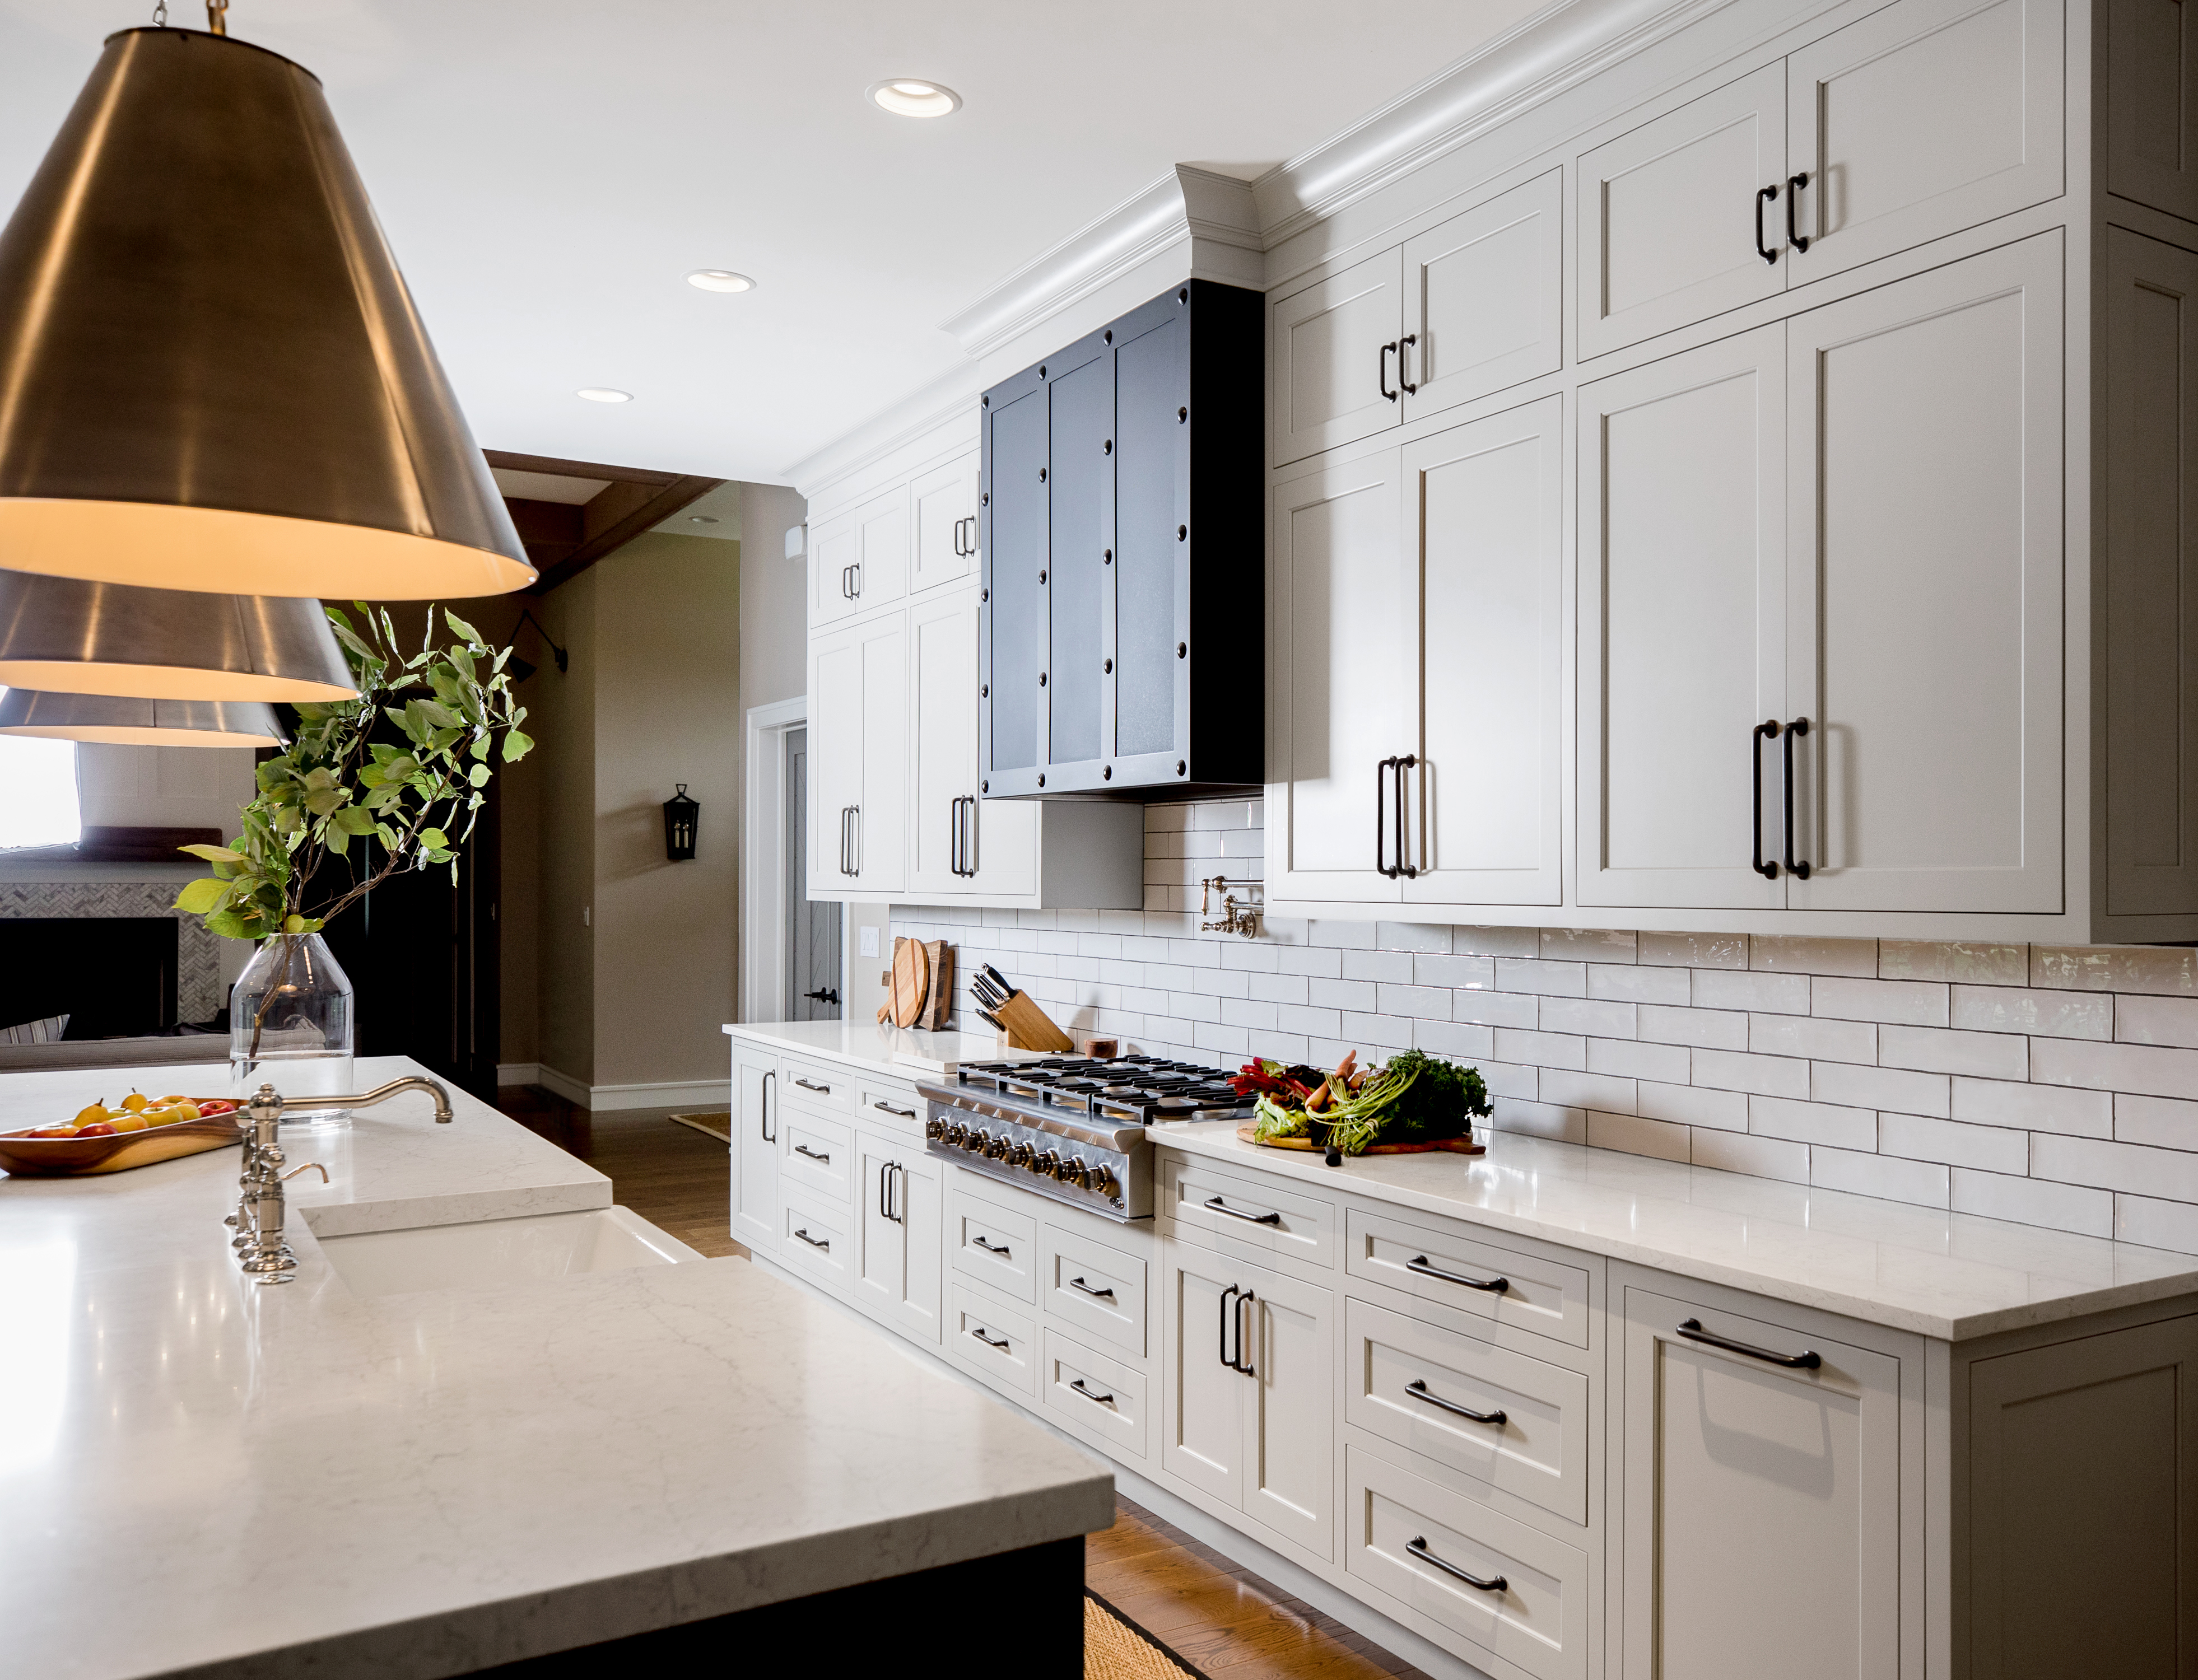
(81,1157)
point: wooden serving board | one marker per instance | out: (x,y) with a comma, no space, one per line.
(81,1157)
(911,980)
(1444,1146)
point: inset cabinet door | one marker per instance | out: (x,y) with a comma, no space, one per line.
(1683,534)
(834,545)
(1760,1498)
(755,1149)
(1340,710)
(1334,358)
(858,706)
(2152,122)
(1917,121)
(1925,593)
(943,516)
(1202,1402)
(1484,300)
(959,842)
(898,1208)
(1483,517)
(1673,228)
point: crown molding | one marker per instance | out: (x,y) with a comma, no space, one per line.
(922,412)
(1538,58)
(1185,203)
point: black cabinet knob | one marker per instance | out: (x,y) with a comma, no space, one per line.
(1110,667)
(985,691)
(1181,415)
(1182,533)
(1106,448)
(1041,679)
(1041,475)
(1041,574)
(1183,650)
(1107,773)
(1108,557)
(1041,780)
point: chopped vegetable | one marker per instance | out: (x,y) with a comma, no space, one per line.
(1412,1098)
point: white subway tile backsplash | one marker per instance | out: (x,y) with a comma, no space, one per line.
(1886,1176)
(2044,1015)
(1314,962)
(1813,1037)
(1455,1038)
(1552,979)
(1634,984)
(2154,969)
(1594,1016)
(1802,954)
(1411,936)
(1587,1090)
(2157,1021)
(1763,1157)
(1813,1122)
(1477,971)
(1905,1003)
(1758,1075)
(1587,945)
(1632,1060)
(1540,1120)
(1989,1148)
(2142,1068)
(1881,1088)
(2034,1201)
(1693,950)
(1344,994)
(1286,988)
(1422,1002)
(2161,1121)
(1964,962)
(1775,994)
(1935,1049)
(1544,1049)
(1692,1105)
(1705,1029)
(1633,1135)
(2154,1222)
(1496,941)
(1393,966)
(1496,1009)
(1380,1032)
(2078,1113)
(2130,1167)
(1510,1078)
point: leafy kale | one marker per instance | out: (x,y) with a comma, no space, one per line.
(1442,1100)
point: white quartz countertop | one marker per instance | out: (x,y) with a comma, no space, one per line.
(904,1052)
(199,1475)
(1952,1275)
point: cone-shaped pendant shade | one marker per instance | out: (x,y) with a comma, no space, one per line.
(113,721)
(211,375)
(64,635)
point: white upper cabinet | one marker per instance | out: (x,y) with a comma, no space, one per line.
(1334,358)
(859,756)
(943,517)
(1921,119)
(1674,223)
(1484,300)
(2152,121)
(858,559)
(1484,535)
(1682,621)
(959,842)
(1924,605)
(834,544)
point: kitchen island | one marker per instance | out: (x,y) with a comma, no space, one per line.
(203,1476)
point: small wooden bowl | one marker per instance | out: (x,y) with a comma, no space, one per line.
(81,1157)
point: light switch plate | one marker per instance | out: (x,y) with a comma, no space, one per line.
(870,941)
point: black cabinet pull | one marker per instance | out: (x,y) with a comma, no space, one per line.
(1410,871)
(814,1243)
(1418,1548)
(1495,1286)
(1001,1343)
(953,836)
(1380,820)
(1405,384)
(763,1127)
(1807,1360)
(991,1248)
(1762,199)
(1794,236)
(1755,739)
(1800,871)
(1081,1288)
(803,1149)
(897,1198)
(1077,1383)
(1231,1290)
(887,1107)
(1244,1359)
(822,1090)
(1382,377)
(1418,1390)
(1221,1206)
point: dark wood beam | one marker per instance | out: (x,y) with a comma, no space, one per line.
(574,469)
(621,520)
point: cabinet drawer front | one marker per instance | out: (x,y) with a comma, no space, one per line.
(818,1239)
(1547,1297)
(996,1245)
(1101,1395)
(1099,1289)
(818,1085)
(995,1340)
(1402,1530)
(817,1153)
(891,1109)
(1413,1383)
(1245,1214)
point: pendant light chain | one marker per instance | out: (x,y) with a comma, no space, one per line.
(160,14)
(216,21)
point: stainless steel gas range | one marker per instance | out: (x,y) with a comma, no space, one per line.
(1072,1129)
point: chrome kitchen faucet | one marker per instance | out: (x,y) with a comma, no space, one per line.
(257,1221)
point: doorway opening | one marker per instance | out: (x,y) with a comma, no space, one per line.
(812,943)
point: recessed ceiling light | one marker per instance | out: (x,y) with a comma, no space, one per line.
(603,393)
(908,96)
(720,279)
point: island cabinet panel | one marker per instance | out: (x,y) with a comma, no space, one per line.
(1759,1496)
(896,1275)
(1478,1582)
(1247,1413)
(2152,120)
(2082,1458)
(755,1147)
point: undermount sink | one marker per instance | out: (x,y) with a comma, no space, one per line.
(499,1253)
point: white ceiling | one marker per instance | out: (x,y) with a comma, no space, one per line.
(549,172)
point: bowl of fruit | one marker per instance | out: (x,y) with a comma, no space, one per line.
(135,1131)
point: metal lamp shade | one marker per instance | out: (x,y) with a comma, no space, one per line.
(66,636)
(211,375)
(113,721)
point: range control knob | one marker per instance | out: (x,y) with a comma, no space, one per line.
(1103,1181)
(1073,1172)
(1047,1165)
(974,1139)
(995,1147)
(1019,1154)
(935,1128)
(956,1133)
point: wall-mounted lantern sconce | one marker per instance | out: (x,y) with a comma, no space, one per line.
(680,813)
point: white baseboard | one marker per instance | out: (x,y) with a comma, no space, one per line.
(519,1073)
(564,1084)
(663,1094)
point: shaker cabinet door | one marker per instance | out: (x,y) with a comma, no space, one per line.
(1484,516)
(1919,121)
(1484,299)
(1682,535)
(834,545)
(942,638)
(1669,215)
(755,1149)
(1289,1427)
(881,813)
(1202,1403)
(942,521)
(1333,352)
(1925,590)
(2152,120)
(1340,679)
(835,757)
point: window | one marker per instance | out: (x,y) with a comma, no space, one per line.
(37,792)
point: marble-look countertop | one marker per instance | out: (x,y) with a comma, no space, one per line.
(201,1476)
(1952,1275)
(904,1052)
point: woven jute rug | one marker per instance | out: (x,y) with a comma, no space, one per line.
(718,1123)
(1117,1648)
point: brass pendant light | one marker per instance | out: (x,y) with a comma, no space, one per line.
(212,375)
(64,635)
(111,722)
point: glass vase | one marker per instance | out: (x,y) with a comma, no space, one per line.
(291,1025)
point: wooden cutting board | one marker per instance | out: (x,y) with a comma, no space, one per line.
(1449,1146)
(911,980)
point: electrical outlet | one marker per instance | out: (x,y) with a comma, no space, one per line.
(870,941)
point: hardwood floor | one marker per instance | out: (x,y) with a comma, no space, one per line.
(676,1178)
(1223,1620)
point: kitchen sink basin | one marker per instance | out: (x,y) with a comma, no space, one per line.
(499,1253)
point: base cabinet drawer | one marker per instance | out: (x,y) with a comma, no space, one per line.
(1485,1582)
(1465,1278)
(997,1341)
(890,1108)
(1518,1425)
(1270,1220)
(816,1153)
(995,1245)
(820,1240)
(817,1085)
(1101,1396)
(1097,1289)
